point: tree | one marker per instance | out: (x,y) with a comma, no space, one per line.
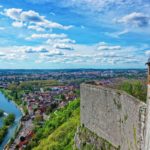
(1,113)
(9,120)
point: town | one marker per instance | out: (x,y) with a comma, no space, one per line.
(38,94)
(11,76)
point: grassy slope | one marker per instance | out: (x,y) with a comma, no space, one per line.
(58,132)
(63,137)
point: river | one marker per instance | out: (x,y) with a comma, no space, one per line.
(9,107)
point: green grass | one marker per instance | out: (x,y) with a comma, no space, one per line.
(63,137)
(58,132)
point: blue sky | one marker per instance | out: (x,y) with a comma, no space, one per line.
(51,34)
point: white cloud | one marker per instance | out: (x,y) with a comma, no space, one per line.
(31,16)
(17,24)
(135,19)
(54,53)
(147,52)
(2,28)
(46,36)
(60,40)
(92,5)
(33,20)
(106,47)
(97,54)
(63,46)
(2,54)
(13,13)
(52,13)
(36,50)
(57,41)
(103,12)
(36,28)
(117,34)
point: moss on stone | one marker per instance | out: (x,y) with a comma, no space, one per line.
(125,117)
(90,141)
(135,138)
(118,104)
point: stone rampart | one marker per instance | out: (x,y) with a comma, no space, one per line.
(113,115)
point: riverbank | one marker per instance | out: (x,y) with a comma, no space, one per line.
(9,97)
(13,130)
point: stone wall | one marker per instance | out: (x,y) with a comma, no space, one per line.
(113,115)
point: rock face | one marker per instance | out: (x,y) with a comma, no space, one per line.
(114,116)
(147,139)
(87,140)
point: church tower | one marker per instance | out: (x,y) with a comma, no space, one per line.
(147,133)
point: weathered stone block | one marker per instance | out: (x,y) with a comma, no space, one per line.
(113,115)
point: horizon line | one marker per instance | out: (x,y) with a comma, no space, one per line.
(71,68)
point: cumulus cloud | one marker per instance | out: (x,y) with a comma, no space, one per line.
(36,28)
(17,24)
(31,16)
(13,56)
(33,20)
(106,47)
(54,53)
(102,12)
(36,50)
(63,46)
(61,40)
(57,41)
(96,54)
(110,54)
(135,19)
(46,36)
(13,13)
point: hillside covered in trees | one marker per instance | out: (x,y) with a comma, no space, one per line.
(59,130)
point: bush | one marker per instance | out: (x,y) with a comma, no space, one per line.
(135,88)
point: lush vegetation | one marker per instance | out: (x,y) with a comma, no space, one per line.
(9,120)
(57,132)
(37,85)
(14,95)
(1,112)
(3,131)
(15,91)
(135,88)
(88,140)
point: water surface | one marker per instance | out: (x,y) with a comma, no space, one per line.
(9,107)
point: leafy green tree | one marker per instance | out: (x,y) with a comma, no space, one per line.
(1,112)
(3,132)
(9,120)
